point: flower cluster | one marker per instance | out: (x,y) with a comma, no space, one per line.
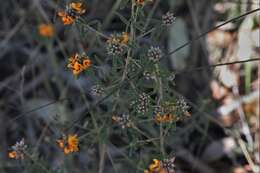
(72,12)
(165,118)
(18,150)
(46,30)
(116,43)
(123,121)
(143,103)
(182,106)
(169,165)
(165,166)
(69,144)
(148,75)
(78,63)
(168,18)
(165,113)
(154,54)
(168,111)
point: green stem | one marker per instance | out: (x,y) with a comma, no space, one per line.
(37,163)
(162,140)
(160,97)
(132,38)
(247,77)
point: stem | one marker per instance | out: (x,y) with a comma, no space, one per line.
(159,82)
(144,134)
(160,97)
(162,140)
(217,65)
(146,33)
(132,38)
(247,77)
(149,17)
(111,14)
(86,102)
(102,149)
(92,29)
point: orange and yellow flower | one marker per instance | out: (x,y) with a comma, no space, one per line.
(77,7)
(65,18)
(69,144)
(78,63)
(165,118)
(73,11)
(155,167)
(161,166)
(46,30)
(12,154)
(86,63)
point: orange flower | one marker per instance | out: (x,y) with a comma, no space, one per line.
(78,63)
(86,63)
(69,144)
(46,30)
(77,7)
(65,18)
(164,166)
(73,11)
(155,167)
(77,68)
(12,154)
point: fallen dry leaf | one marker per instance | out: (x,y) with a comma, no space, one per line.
(220,38)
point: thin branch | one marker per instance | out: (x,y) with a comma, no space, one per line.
(217,65)
(212,29)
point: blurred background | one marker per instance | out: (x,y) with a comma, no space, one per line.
(34,76)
